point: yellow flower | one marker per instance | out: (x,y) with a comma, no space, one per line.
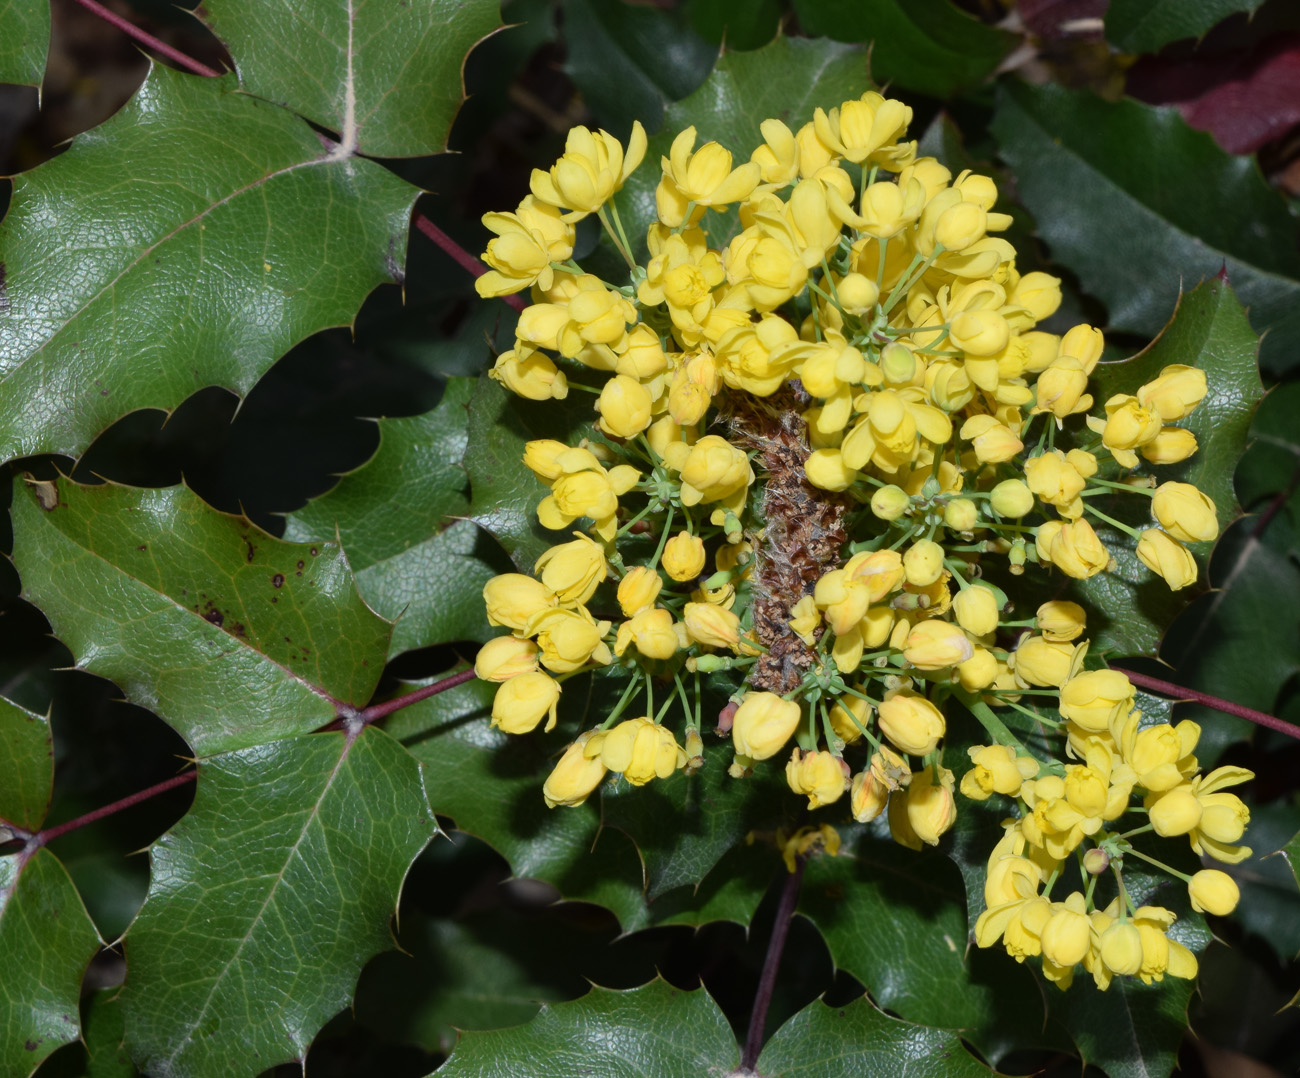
(993,442)
(1171,445)
(639,748)
(976,609)
(1061,620)
(638,589)
(1121,948)
(575,776)
(1185,512)
(937,645)
(1212,820)
(1160,954)
(569,639)
(504,658)
(1175,394)
(925,811)
(704,178)
(1060,388)
(1056,481)
(911,722)
(714,470)
(527,242)
(1097,698)
(653,633)
(819,775)
(890,502)
(624,406)
(1068,933)
(683,557)
(521,702)
(1011,498)
(997,770)
(572,571)
(512,599)
(591,169)
(867,128)
(711,625)
(1042,662)
(763,724)
(529,373)
(1074,549)
(778,157)
(1212,891)
(1168,558)
(923,562)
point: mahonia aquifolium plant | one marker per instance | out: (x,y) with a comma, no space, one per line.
(814,442)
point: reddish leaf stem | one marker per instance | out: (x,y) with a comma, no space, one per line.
(375,712)
(1180,692)
(48,835)
(462,257)
(147,39)
(771,962)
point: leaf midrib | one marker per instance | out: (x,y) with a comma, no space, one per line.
(313,814)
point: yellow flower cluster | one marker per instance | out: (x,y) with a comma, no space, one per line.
(811,444)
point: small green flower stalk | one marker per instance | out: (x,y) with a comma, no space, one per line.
(815,449)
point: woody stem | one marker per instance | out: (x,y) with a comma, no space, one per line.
(1179,692)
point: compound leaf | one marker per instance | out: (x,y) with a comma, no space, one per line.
(24,40)
(47,939)
(391,515)
(267,899)
(188,241)
(1131,231)
(843,1042)
(656,1029)
(385,76)
(26,766)
(231,636)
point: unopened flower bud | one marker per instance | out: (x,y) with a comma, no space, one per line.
(890,503)
(683,557)
(763,723)
(961,515)
(857,293)
(1185,512)
(923,563)
(1121,948)
(1061,620)
(976,610)
(521,702)
(1096,861)
(819,775)
(504,658)
(911,722)
(1011,499)
(1213,891)
(638,589)
(897,363)
(1166,557)
(575,776)
(1171,445)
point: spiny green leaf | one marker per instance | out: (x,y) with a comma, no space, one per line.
(231,636)
(655,1029)
(267,899)
(386,77)
(928,46)
(739,24)
(1132,231)
(629,61)
(1270,891)
(24,40)
(731,891)
(1150,25)
(896,920)
(188,241)
(103,1035)
(391,514)
(845,1042)
(785,80)
(47,940)
(490,784)
(26,766)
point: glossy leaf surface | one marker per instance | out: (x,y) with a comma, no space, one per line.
(386,77)
(267,899)
(219,222)
(47,940)
(655,1029)
(1134,234)
(843,1042)
(414,564)
(26,766)
(231,636)
(24,40)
